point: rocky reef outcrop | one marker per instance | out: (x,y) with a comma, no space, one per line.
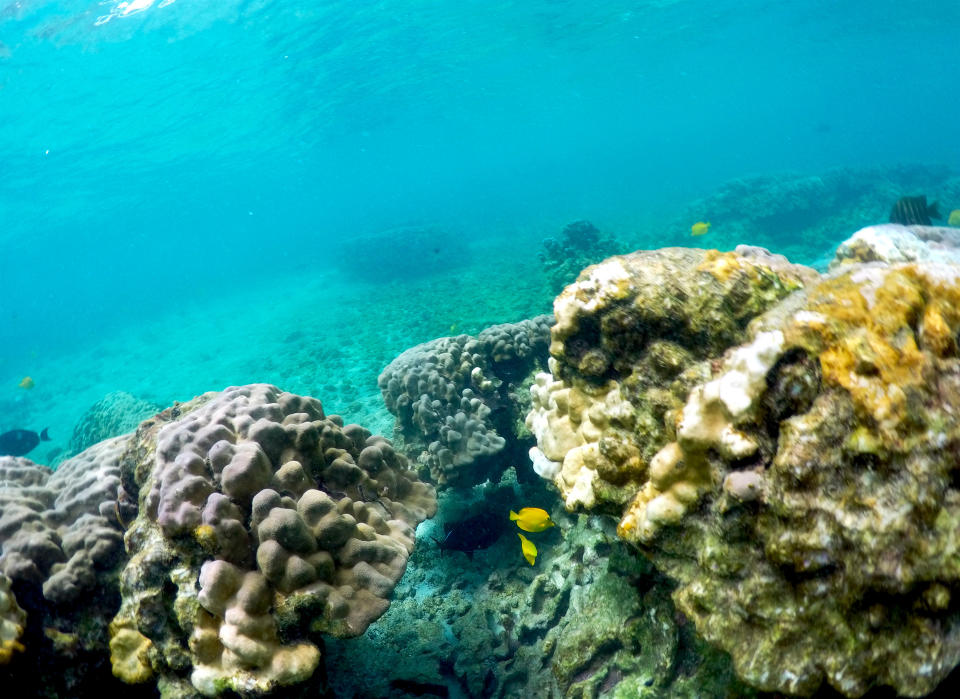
(797,478)
(891,243)
(633,336)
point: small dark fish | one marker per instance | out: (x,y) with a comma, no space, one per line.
(20,442)
(913,211)
(468,535)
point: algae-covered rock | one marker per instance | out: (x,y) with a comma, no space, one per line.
(891,243)
(804,495)
(633,335)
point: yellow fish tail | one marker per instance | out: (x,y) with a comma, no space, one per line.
(528,549)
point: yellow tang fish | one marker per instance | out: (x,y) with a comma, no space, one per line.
(699,228)
(529,550)
(954,218)
(27,383)
(532,519)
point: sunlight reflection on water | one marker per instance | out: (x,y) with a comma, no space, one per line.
(124,9)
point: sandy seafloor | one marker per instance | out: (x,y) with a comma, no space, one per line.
(311,331)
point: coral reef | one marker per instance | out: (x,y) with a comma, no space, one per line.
(460,400)
(633,336)
(590,619)
(58,528)
(263,524)
(255,525)
(61,545)
(803,496)
(115,414)
(799,214)
(579,245)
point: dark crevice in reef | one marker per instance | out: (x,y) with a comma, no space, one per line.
(597,661)
(793,383)
(80,631)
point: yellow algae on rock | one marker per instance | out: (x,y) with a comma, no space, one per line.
(801,489)
(723,265)
(12,622)
(632,336)
(128,653)
(886,328)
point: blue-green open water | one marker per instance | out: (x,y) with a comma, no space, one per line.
(178,178)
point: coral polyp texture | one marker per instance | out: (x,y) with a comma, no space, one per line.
(263,524)
(803,493)
(455,398)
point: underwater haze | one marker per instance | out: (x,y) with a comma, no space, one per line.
(200,165)
(373,204)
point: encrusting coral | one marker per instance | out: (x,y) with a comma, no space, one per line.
(804,493)
(263,524)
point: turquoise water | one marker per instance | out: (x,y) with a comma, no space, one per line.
(182,180)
